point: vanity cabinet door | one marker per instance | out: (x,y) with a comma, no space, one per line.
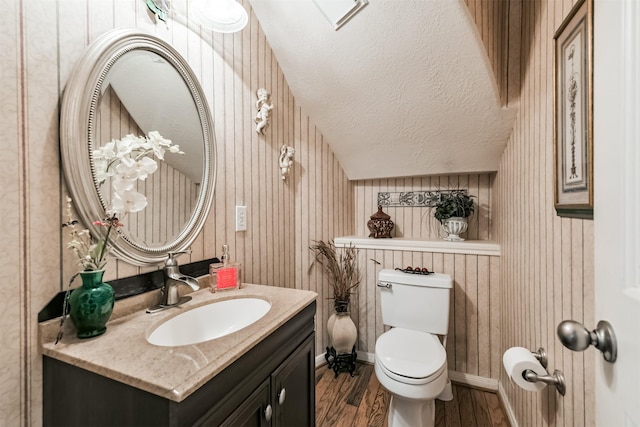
(255,411)
(293,388)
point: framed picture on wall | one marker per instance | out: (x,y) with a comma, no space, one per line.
(573,85)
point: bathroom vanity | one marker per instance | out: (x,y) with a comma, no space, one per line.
(260,375)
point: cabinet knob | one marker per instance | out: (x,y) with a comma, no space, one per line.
(267,413)
(282,396)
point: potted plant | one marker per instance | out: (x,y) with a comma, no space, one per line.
(341,269)
(452,208)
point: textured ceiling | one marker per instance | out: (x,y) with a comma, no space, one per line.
(402,89)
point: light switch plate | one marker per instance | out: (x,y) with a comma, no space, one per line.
(241,218)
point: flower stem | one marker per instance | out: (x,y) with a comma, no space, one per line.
(106,239)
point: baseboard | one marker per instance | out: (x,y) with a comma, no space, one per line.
(474,381)
(320,360)
(366,357)
(502,395)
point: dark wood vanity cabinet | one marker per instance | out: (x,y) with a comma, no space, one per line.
(273,384)
(281,400)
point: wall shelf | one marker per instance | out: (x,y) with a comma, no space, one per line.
(467,247)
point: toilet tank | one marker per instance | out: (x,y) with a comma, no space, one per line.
(414,301)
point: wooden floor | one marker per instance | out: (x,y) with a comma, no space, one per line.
(360,401)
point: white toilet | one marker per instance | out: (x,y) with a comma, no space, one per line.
(410,360)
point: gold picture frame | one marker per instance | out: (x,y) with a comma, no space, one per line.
(573,113)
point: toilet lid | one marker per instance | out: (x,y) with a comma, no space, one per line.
(410,354)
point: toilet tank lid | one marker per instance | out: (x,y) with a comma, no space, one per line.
(435,280)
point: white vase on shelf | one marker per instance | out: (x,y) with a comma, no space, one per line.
(454,226)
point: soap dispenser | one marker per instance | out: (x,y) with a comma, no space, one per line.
(226,274)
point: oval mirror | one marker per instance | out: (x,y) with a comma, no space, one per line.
(132,89)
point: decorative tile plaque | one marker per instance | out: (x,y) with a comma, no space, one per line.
(419,199)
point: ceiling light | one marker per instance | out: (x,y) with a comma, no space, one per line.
(222,16)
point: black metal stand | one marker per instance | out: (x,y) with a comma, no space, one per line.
(341,362)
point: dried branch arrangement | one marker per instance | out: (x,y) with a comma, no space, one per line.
(341,267)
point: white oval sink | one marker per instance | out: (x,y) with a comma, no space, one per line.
(209,322)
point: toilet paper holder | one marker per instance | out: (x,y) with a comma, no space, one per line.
(556,379)
(541,355)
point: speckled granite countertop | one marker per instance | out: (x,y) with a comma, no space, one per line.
(122,353)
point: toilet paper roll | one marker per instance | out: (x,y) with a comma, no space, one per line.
(516,360)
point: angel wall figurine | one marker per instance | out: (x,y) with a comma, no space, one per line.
(264,110)
(286,160)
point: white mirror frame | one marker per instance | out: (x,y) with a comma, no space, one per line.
(77,116)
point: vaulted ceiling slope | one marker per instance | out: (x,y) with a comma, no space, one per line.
(402,89)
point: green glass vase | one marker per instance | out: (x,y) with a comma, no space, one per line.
(91,304)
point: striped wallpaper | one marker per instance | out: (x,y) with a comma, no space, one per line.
(491,18)
(547,261)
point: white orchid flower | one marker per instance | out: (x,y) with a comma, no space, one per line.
(128,201)
(127,170)
(120,185)
(175,149)
(128,144)
(106,152)
(156,138)
(145,166)
(157,144)
(127,160)
(130,169)
(102,171)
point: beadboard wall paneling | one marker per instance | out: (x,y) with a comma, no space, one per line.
(38,51)
(490,18)
(418,222)
(15,305)
(497,23)
(473,340)
(547,261)
(321,191)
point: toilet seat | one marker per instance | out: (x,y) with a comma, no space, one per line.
(410,357)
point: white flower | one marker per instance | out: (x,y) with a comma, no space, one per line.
(145,166)
(127,201)
(130,169)
(157,144)
(106,152)
(175,149)
(156,138)
(120,185)
(126,170)
(128,144)
(127,160)
(102,171)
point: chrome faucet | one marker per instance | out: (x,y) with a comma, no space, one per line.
(172,280)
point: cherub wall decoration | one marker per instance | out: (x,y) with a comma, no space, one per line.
(286,160)
(264,110)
